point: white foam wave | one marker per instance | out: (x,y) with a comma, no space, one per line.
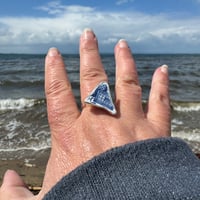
(175,123)
(26,149)
(193,136)
(16,104)
(186,107)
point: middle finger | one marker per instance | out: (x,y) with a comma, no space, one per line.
(128,90)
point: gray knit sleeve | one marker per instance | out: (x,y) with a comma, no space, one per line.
(156,169)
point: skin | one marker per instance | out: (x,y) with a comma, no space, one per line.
(77,136)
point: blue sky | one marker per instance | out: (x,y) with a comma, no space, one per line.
(149,26)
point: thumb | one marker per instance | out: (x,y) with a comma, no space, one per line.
(13,187)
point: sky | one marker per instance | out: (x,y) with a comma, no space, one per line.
(149,26)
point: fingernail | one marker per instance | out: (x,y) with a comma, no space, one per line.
(164,69)
(123,43)
(88,34)
(53,52)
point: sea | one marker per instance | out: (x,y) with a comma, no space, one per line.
(24,129)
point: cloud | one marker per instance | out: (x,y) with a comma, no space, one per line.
(64,24)
(120,2)
(56,8)
(53,7)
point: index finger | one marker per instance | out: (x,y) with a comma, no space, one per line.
(61,105)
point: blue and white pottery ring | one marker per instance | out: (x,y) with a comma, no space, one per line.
(101,98)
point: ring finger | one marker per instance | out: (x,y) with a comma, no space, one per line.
(91,68)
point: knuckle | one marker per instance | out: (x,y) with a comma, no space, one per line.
(129,80)
(89,50)
(92,73)
(56,87)
(57,113)
(138,89)
(130,84)
(89,47)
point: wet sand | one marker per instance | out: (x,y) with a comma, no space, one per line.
(31,172)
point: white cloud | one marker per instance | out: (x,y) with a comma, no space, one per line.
(146,33)
(53,7)
(120,2)
(56,8)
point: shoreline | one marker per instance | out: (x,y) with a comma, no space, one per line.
(31,173)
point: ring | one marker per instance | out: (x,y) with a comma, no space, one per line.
(101,97)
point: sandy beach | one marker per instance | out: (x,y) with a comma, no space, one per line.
(31,172)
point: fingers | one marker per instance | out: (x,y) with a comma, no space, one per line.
(159,101)
(91,69)
(61,105)
(128,91)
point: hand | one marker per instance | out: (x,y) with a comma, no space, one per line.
(79,136)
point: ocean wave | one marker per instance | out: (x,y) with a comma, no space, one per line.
(22,83)
(25,149)
(185,106)
(24,152)
(22,103)
(18,104)
(191,137)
